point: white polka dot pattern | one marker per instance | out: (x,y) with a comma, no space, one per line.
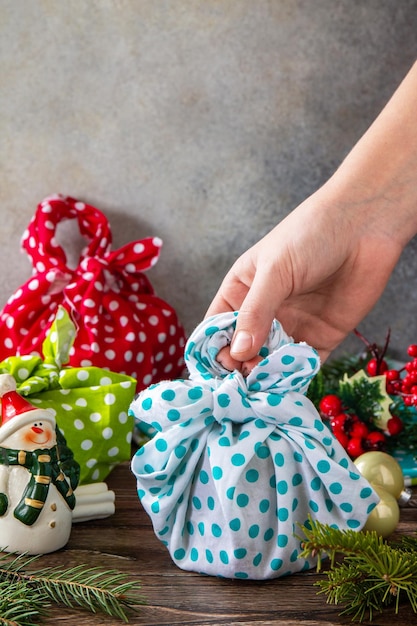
(121,324)
(236,464)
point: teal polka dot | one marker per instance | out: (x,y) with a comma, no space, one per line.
(287,359)
(282,487)
(201,528)
(344,463)
(242,500)
(260,423)
(141,493)
(224,557)
(262,375)
(354,475)
(365,493)
(347,507)
(268,534)
(235,524)
(283,514)
(194,554)
(273,481)
(243,435)
(211,330)
(323,466)
(240,553)
(242,575)
(161,445)
(313,506)
(180,451)
(217,472)
(147,404)
(190,528)
(157,426)
(224,442)
(276,564)
(318,425)
(329,504)
(211,503)
(298,457)
(294,504)
(154,490)
(279,459)
(252,475)
(261,451)
(253,531)
(316,483)
(223,400)
(197,502)
(371,508)
(168,394)
(195,394)
(313,362)
(179,554)
(264,506)
(294,556)
(230,493)
(255,386)
(238,459)
(257,559)
(327,441)
(173,415)
(273,399)
(216,530)
(309,444)
(296,421)
(204,477)
(296,381)
(282,541)
(194,445)
(209,556)
(336,488)
(164,531)
(148,468)
(353,523)
(297,479)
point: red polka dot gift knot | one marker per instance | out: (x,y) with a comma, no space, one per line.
(122,325)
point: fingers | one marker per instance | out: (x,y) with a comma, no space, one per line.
(256,315)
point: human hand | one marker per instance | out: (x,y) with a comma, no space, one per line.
(319,272)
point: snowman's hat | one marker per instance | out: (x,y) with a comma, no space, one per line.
(16,411)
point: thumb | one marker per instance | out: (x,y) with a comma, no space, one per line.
(254,319)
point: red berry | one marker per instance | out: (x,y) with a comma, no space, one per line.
(392,375)
(359,429)
(375,368)
(330,405)
(412,350)
(394,425)
(342,437)
(375,440)
(338,422)
(355,447)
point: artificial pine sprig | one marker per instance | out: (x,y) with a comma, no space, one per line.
(372,575)
(28,593)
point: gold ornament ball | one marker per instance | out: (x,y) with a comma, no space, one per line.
(385,516)
(382,469)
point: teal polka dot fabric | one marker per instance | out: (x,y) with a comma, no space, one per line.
(236,464)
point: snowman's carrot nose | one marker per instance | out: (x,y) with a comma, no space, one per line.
(36,429)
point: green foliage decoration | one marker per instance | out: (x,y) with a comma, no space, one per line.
(366,574)
(26,594)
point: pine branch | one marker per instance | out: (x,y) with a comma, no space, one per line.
(372,575)
(80,586)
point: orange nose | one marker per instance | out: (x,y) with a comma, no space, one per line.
(36,429)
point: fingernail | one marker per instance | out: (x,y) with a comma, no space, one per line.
(242,342)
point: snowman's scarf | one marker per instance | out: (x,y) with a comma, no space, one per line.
(44,466)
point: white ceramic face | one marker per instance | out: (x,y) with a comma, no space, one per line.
(33,436)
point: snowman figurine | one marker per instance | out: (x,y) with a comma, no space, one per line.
(37,477)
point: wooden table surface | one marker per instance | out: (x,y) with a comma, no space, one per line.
(125,541)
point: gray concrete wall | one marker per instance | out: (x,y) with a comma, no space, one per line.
(202,122)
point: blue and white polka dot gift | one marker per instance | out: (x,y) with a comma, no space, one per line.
(237,464)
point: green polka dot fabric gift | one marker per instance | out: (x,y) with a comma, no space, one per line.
(90,404)
(237,463)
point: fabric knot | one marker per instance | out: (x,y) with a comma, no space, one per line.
(230,399)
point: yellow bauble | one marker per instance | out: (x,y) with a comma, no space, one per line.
(382,469)
(385,516)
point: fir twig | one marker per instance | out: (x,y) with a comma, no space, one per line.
(30,592)
(372,575)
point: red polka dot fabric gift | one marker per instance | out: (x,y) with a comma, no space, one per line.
(122,325)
